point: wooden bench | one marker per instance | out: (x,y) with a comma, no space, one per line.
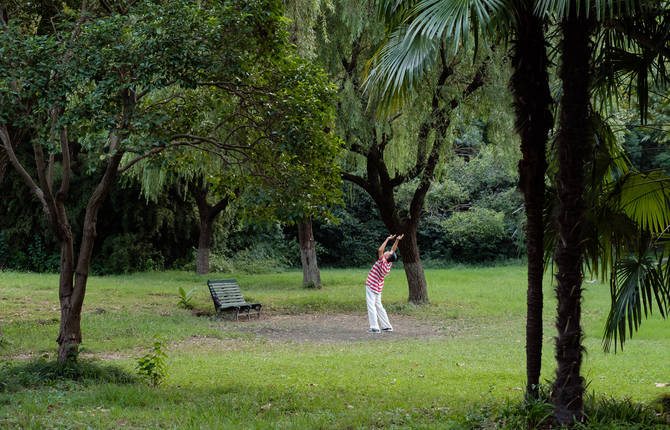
(227,296)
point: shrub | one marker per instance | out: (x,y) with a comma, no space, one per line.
(152,367)
(475,235)
(186,298)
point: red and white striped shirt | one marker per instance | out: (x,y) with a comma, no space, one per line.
(376,276)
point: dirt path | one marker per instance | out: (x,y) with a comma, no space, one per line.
(313,328)
(329,328)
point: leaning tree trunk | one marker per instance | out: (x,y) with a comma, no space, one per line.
(416,279)
(534,120)
(72,294)
(574,140)
(310,269)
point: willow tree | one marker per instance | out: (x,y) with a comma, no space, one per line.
(83,96)
(383,154)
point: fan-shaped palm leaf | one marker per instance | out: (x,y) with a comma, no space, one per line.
(645,198)
(415,31)
(453,18)
(601,8)
(636,284)
(398,67)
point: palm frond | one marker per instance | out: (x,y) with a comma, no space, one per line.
(453,18)
(637,283)
(397,67)
(601,8)
(645,198)
(393,12)
(415,30)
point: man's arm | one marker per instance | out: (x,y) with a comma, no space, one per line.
(395,245)
(382,248)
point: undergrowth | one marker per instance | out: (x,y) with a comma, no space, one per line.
(44,372)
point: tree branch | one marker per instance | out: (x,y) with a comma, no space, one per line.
(7,145)
(65,150)
(358,180)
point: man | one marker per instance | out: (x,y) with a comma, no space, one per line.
(375,283)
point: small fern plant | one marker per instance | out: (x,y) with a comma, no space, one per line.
(152,367)
(186,298)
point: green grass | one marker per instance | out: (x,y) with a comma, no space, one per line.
(222,378)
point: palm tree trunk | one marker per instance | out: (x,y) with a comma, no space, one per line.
(575,140)
(534,120)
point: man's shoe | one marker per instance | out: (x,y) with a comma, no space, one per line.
(374,330)
(387,329)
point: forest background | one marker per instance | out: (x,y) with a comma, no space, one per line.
(473,212)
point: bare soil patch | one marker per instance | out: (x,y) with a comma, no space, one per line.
(330,328)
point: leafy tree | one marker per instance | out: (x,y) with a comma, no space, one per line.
(384,155)
(274,119)
(82,95)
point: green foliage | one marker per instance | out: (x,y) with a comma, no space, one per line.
(475,234)
(353,241)
(40,259)
(44,372)
(4,251)
(257,259)
(186,298)
(124,253)
(611,413)
(151,367)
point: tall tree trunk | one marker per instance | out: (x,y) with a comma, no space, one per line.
(534,120)
(310,269)
(69,336)
(416,279)
(208,214)
(575,140)
(204,243)
(65,289)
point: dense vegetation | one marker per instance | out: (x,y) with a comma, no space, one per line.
(207,135)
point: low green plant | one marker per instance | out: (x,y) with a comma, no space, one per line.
(186,298)
(530,413)
(608,412)
(42,371)
(152,367)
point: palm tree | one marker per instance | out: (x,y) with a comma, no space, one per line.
(575,142)
(410,51)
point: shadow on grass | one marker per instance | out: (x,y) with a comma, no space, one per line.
(42,372)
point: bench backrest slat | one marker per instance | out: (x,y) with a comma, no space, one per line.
(226,291)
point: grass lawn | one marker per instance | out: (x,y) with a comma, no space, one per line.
(222,377)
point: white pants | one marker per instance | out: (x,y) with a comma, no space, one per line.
(376,310)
